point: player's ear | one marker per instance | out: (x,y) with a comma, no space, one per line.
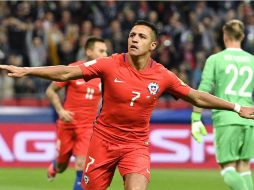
(243,36)
(88,52)
(153,45)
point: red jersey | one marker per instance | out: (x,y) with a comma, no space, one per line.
(82,98)
(129,96)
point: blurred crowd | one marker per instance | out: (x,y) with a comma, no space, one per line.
(39,33)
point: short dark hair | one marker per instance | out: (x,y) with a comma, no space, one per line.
(149,24)
(91,41)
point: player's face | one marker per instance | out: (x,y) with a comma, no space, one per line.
(99,50)
(141,40)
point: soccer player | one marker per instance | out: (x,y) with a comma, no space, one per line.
(229,74)
(76,116)
(131,87)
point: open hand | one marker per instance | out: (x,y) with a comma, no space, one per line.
(14,71)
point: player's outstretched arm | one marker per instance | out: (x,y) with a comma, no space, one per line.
(56,73)
(206,100)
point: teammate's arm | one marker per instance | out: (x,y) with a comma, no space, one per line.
(56,73)
(52,95)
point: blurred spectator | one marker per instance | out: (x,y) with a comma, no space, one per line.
(114,32)
(66,20)
(197,71)
(97,31)
(249,41)
(189,61)
(143,10)
(22,86)
(86,28)
(6,86)
(48,21)
(54,38)
(99,19)
(110,10)
(207,33)
(80,54)
(4,46)
(16,31)
(67,52)
(36,41)
(36,33)
(4,10)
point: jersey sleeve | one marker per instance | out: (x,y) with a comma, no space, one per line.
(176,86)
(207,79)
(96,68)
(60,84)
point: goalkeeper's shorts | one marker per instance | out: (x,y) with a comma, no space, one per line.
(234,143)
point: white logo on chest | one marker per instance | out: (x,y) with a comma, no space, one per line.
(118,81)
(80,82)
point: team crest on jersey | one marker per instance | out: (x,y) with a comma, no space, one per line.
(153,88)
(86,179)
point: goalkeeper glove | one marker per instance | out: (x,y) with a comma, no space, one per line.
(197,128)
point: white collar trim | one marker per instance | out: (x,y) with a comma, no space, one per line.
(236,49)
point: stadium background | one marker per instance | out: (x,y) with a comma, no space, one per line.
(38,33)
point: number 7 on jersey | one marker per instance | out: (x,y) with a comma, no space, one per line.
(137,95)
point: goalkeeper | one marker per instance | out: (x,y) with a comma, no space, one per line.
(229,74)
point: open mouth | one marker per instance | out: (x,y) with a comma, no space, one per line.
(133,47)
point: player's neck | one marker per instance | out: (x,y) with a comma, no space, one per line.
(89,59)
(139,62)
(233,44)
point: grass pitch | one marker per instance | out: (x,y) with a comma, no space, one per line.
(35,179)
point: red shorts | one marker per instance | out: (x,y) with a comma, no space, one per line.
(72,141)
(103,157)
